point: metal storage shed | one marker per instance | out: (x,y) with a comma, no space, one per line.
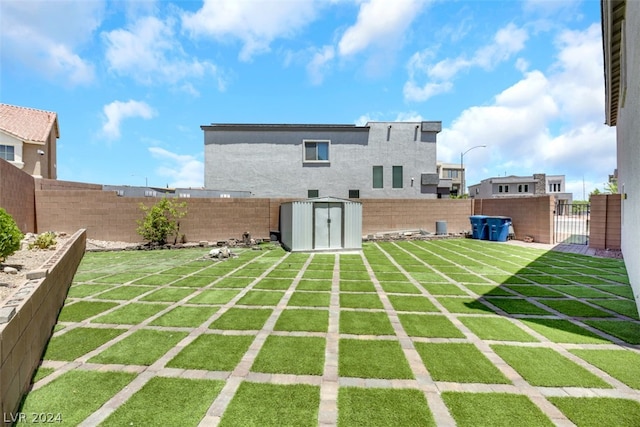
(324,223)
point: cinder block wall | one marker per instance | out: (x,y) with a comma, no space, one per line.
(24,337)
(606,221)
(54,184)
(17,196)
(531,216)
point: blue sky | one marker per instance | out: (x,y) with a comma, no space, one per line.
(132,81)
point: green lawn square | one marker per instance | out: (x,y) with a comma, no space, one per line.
(599,411)
(70,396)
(354,275)
(274,284)
(243,319)
(622,306)
(399,287)
(535,291)
(261,298)
(464,305)
(386,276)
(157,279)
(214,296)
(563,331)
(494,410)
(488,290)
(460,363)
(517,306)
(143,347)
(283,274)
(320,266)
(318,274)
(125,292)
(87,276)
(82,310)
(411,303)
(234,282)
(432,326)
(167,295)
(372,359)
(194,281)
(496,328)
(549,280)
(213,352)
(303,320)
(185,317)
(623,365)
(382,407)
(507,279)
(168,402)
(545,367)
(466,278)
(184,270)
(120,278)
(423,275)
(579,291)
(365,323)
(623,291)
(310,299)
(626,331)
(81,291)
(130,314)
(357,286)
(574,308)
(360,301)
(259,404)
(291,355)
(314,285)
(443,289)
(78,342)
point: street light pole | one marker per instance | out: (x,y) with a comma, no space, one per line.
(462,183)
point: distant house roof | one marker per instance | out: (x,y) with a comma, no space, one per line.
(613,16)
(28,124)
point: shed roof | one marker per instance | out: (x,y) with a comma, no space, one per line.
(28,124)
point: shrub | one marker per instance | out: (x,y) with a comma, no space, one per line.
(10,235)
(161,220)
(44,241)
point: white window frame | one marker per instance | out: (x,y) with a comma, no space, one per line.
(17,153)
(315,141)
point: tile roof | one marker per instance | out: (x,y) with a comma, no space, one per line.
(28,124)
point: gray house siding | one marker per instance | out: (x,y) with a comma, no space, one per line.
(268,160)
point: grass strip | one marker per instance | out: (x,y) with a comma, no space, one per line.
(82,310)
(78,342)
(496,328)
(625,307)
(411,303)
(627,331)
(621,364)
(261,298)
(242,319)
(517,306)
(84,290)
(563,331)
(310,299)
(599,411)
(357,286)
(214,297)
(130,314)
(360,301)
(372,359)
(167,295)
(432,326)
(143,347)
(574,308)
(213,352)
(303,320)
(185,317)
(314,285)
(291,355)
(464,305)
(365,323)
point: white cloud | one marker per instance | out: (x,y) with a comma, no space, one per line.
(318,65)
(184,171)
(506,42)
(255,24)
(117,111)
(150,53)
(48,37)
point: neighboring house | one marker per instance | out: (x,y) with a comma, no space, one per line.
(522,186)
(450,175)
(378,160)
(182,193)
(621,43)
(28,139)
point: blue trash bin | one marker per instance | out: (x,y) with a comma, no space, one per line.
(479,229)
(498,228)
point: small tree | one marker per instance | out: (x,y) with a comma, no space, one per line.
(10,235)
(161,220)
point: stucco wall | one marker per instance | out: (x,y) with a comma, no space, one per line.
(17,196)
(269,162)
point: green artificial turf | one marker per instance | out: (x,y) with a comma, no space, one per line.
(547,368)
(157,279)
(466,277)
(87,276)
(167,295)
(143,347)
(372,359)
(623,291)
(443,289)
(318,274)
(314,285)
(432,326)
(186,317)
(458,362)
(310,299)
(488,290)
(81,291)
(357,286)
(261,298)
(259,404)
(390,276)
(303,320)
(273,284)
(426,276)
(360,301)
(621,364)
(579,291)
(184,270)
(507,279)
(464,305)
(291,355)
(78,342)
(130,314)
(213,352)
(83,310)
(40,373)
(535,291)
(411,303)
(234,282)
(399,288)
(622,306)
(496,328)
(574,308)
(517,306)
(71,398)
(354,275)
(167,401)
(283,274)
(627,331)
(494,410)
(195,281)
(365,323)
(382,407)
(214,297)
(242,319)
(599,411)
(563,331)
(120,278)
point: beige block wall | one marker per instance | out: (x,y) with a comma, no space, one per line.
(606,221)
(17,196)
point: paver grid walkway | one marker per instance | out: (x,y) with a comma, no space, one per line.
(456,282)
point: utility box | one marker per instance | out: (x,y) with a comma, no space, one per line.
(321,224)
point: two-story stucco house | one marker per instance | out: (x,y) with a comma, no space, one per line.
(28,139)
(522,186)
(377,160)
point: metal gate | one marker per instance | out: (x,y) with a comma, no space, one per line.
(571,223)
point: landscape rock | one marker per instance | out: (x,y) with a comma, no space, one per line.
(10,270)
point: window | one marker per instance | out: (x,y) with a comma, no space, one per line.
(451,173)
(378,182)
(523,188)
(506,188)
(7,152)
(312,193)
(184,195)
(499,188)
(397,177)
(554,187)
(149,193)
(354,194)
(316,151)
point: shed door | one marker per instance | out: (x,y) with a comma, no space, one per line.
(327,225)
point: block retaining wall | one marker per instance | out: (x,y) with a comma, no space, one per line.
(606,221)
